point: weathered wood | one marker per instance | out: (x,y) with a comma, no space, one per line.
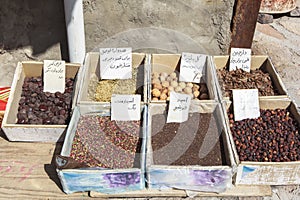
(27,171)
(244,23)
(238,191)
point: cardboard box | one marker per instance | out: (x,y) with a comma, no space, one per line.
(91,76)
(27,132)
(257,62)
(171,62)
(266,173)
(95,179)
(191,177)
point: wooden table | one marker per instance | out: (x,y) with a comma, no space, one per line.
(27,171)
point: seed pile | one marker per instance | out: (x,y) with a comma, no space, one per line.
(240,79)
(272,137)
(194,142)
(100,142)
(38,107)
(102,90)
(163,84)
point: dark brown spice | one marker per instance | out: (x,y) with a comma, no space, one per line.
(194,142)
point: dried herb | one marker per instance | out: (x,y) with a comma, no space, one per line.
(102,90)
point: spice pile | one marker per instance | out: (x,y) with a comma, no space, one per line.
(272,137)
(100,142)
(102,90)
(38,107)
(194,142)
(163,84)
(240,79)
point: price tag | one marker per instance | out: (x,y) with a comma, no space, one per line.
(179,107)
(54,76)
(240,59)
(191,67)
(125,107)
(245,104)
(115,63)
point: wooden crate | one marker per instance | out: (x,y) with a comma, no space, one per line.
(34,133)
(95,179)
(92,71)
(191,177)
(257,62)
(171,63)
(266,173)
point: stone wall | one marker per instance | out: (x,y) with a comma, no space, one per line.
(159,25)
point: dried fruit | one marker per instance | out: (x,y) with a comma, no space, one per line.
(38,107)
(272,137)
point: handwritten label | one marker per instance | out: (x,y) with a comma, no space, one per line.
(54,76)
(245,104)
(240,59)
(179,107)
(191,67)
(115,63)
(125,107)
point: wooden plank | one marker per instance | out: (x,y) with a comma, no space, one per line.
(27,171)
(244,23)
(238,191)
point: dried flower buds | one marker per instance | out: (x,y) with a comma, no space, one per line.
(100,142)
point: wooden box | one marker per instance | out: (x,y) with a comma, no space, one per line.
(257,62)
(28,132)
(171,63)
(199,178)
(267,173)
(103,180)
(91,77)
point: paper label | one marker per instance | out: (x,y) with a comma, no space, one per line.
(125,107)
(191,67)
(240,59)
(179,107)
(54,76)
(115,63)
(245,104)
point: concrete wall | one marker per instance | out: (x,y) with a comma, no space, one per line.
(159,25)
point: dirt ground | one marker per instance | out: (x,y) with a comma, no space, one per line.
(279,40)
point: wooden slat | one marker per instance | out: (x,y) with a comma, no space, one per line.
(238,191)
(27,171)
